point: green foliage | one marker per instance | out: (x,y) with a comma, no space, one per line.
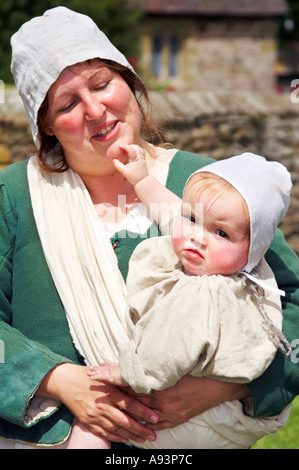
(292,34)
(113,17)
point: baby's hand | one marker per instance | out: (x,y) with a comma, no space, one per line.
(107,372)
(135,170)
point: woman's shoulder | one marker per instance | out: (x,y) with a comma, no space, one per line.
(182,165)
(193,161)
(15,174)
(14,184)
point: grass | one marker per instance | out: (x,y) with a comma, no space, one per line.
(287,437)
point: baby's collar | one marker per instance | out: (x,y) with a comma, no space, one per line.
(262,284)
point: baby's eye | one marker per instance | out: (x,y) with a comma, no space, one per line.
(190,218)
(221,234)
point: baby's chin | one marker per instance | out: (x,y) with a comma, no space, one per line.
(194,272)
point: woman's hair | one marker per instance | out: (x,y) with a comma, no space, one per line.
(151,131)
(217,186)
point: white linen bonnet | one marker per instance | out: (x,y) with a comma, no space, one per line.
(44,46)
(266,187)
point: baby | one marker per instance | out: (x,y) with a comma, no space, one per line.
(203,300)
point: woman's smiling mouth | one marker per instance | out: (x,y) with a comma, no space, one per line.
(103,133)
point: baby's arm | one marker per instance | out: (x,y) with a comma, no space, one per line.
(107,372)
(158,200)
(135,170)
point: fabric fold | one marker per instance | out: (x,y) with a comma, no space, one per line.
(81,261)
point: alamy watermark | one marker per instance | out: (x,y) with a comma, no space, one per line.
(295,351)
(2,92)
(2,352)
(191,213)
(295,93)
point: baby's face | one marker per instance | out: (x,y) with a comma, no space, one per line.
(211,238)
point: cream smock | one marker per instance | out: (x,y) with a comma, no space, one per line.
(202,326)
(198,325)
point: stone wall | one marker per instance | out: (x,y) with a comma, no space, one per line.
(217,125)
(15,139)
(221,125)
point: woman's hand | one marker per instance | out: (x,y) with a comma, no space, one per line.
(102,407)
(191,396)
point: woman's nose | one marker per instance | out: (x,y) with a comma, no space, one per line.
(94,108)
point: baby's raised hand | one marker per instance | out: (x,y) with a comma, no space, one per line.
(135,170)
(107,372)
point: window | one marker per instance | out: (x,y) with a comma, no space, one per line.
(165,56)
(157,53)
(174,46)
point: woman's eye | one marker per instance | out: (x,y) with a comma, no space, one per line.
(101,87)
(221,234)
(67,108)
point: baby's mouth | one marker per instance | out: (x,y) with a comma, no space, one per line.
(193,254)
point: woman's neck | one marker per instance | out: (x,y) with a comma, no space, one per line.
(107,189)
(113,196)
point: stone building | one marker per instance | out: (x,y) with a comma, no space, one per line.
(210,44)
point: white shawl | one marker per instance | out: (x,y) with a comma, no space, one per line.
(82,262)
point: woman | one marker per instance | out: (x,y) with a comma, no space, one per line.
(62,295)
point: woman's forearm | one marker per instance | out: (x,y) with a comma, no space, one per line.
(191,396)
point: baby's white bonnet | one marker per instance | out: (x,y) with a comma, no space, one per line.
(266,187)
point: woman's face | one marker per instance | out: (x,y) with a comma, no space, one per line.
(92,111)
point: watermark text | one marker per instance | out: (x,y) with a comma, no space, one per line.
(2,352)
(295,93)
(2,92)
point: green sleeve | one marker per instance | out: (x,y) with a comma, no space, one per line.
(279,385)
(23,362)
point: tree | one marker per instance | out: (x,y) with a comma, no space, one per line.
(114,18)
(289,30)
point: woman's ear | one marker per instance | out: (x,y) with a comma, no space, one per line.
(48,131)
